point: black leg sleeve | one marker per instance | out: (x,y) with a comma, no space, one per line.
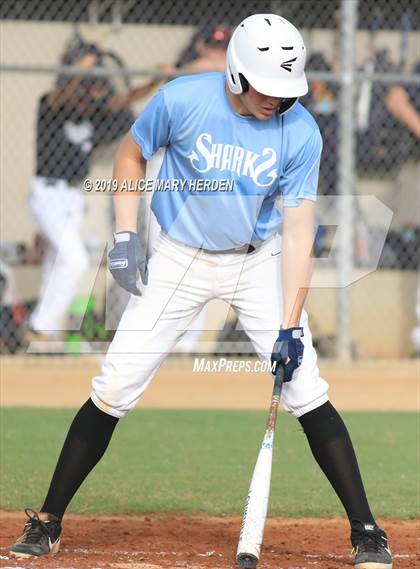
(333,450)
(86,442)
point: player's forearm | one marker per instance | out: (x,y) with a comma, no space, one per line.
(297,261)
(126,206)
(129,167)
(120,101)
(297,271)
(61,95)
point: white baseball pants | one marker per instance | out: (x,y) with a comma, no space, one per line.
(58,210)
(181,280)
(190,341)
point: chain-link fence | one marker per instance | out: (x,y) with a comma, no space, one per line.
(75,74)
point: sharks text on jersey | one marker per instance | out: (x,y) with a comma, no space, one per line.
(207,155)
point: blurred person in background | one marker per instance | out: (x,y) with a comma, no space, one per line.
(78,114)
(387,120)
(388,138)
(414,96)
(322,102)
(205,52)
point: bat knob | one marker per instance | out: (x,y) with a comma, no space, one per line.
(247,560)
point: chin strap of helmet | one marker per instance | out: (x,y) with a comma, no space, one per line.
(286,104)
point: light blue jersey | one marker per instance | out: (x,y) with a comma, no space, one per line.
(222,172)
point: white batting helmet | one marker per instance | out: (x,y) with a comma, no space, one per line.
(267,52)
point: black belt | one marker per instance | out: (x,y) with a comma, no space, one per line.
(242,250)
(248,248)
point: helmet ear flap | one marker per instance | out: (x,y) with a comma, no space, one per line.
(244,83)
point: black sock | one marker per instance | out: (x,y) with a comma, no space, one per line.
(86,442)
(333,450)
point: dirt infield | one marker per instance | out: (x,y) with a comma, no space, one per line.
(65,382)
(155,542)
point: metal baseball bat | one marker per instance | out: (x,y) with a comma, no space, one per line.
(253,522)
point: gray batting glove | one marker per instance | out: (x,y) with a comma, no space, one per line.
(125,259)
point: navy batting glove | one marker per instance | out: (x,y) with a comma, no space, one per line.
(288,350)
(125,259)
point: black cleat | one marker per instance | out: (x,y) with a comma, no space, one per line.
(370,546)
(38,538)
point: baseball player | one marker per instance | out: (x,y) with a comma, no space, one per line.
(205,52)
(244,126)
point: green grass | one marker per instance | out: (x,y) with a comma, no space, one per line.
(201,462)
